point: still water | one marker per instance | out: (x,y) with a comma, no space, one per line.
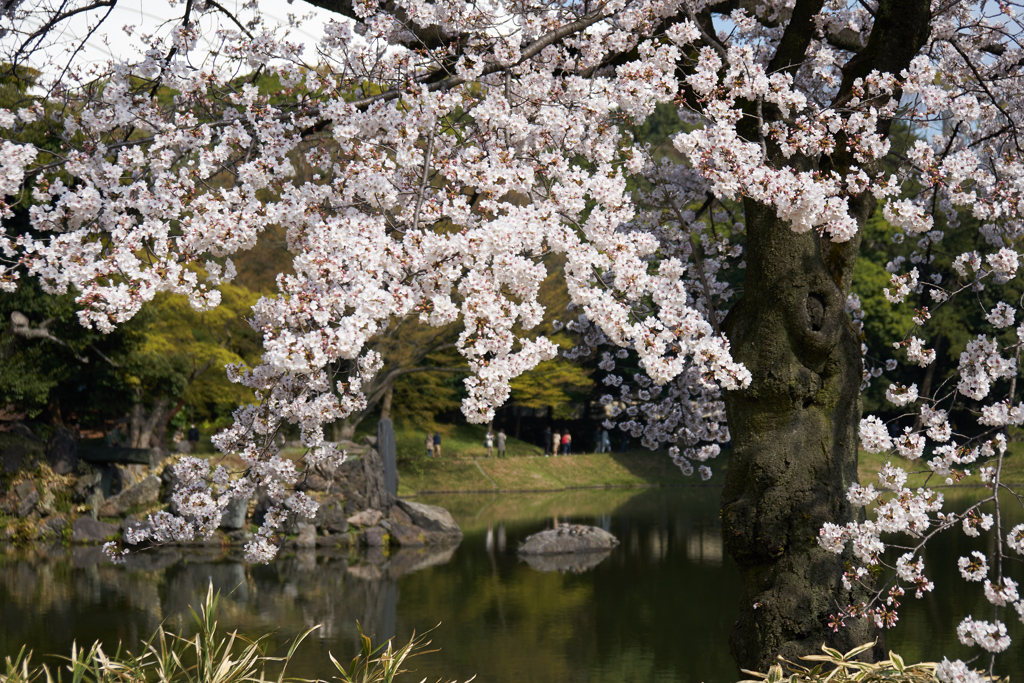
(657,608)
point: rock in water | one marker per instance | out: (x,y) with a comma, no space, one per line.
(233,517)
(408,536)
(88,530)
(437,523)
(373,537)
(307,536)
(146,491)
(568,538)
(573,563)
(330,516)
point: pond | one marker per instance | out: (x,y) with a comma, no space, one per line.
(659,608)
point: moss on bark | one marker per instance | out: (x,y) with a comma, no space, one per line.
(794,434)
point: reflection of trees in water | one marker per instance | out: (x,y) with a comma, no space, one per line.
(47,603)
(302,590)
(660,607)
(50,601)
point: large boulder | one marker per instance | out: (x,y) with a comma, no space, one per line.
(333,541)
(306,537)
(331,517)
(62,452)
(407,536)
(399,516)
(233,517)
(12,458)
(169,479)
(314,482)
(377,494)
(373,537)
(22,430)
(53,528)
(21,500)
(86,485)
(568,538)
(145,492)
(437,523)
(89,530)
(365,518)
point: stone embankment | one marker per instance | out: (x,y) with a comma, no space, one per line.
(49,495)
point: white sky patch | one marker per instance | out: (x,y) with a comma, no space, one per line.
(122,35)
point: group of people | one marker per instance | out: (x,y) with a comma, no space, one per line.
(434,445)
(557,442)
(489,440)
(560,443)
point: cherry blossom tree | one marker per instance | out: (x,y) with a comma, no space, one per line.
(457,144)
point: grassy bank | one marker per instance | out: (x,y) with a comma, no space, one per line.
(464,465)
(920,475)
(537,473)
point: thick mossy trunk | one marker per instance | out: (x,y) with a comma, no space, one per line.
(794,435)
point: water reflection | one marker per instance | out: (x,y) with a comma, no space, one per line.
(659,607)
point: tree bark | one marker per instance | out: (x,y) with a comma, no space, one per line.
(385,404)
(142,426)
(345,430)
(794,435)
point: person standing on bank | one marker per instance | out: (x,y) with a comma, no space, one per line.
(566,444)
(193,439)
(489,442)
(556,443)
(502,438)
(547,441)
(430,445)
(437,444)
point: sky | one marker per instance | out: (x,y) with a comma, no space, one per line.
(148,16)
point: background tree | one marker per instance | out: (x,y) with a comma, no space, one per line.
(182,361)
(51,367)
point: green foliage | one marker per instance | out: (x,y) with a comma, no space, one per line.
(84,365)
(207,657)
(658,129)
(380,664)
(557,383)
(836,667)
(419,397)
(185,351)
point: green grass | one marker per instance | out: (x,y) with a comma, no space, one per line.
(464,465)
(476,511)
(458,440)
(535,473)
(920,475)
(457,472)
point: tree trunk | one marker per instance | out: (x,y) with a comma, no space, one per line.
(160,433)
(794,436)
(141,426)
(345,430)
(385,404)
